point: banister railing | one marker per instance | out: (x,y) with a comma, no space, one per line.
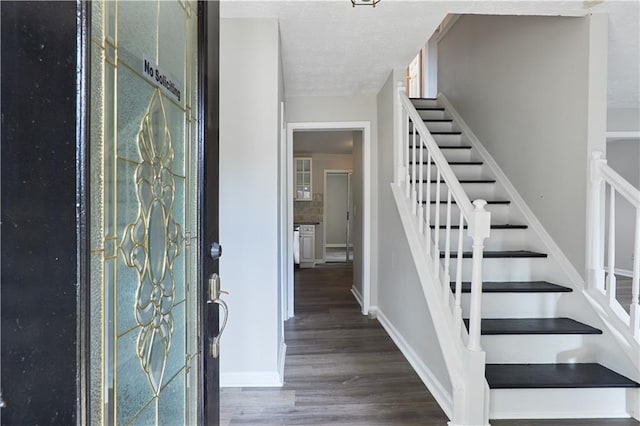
(605,182)
(430,185)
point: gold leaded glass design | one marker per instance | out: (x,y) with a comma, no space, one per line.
(143,201)
(152,243)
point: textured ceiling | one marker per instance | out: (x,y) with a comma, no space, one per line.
(330,48)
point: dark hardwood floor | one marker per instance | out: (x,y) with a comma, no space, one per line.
(343,369)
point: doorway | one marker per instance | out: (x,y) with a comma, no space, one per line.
(338,220)
(361,237)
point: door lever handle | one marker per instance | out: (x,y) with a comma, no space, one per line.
(214,297)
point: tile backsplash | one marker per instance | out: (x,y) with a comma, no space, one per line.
(309,211)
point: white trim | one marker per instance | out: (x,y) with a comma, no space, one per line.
(512,193)
(358,296)
(282,356)
(337,245)
(445,26)
(618,135)
(367,185)
(437,390)
(251,379)
(623,272)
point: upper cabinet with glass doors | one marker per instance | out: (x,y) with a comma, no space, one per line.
(302,188)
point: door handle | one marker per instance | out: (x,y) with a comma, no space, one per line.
(214,297)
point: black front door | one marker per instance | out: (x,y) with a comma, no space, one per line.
(109,205)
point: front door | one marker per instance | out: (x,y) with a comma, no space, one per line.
(153,159)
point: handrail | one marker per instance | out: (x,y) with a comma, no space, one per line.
(416,150)
(603,281)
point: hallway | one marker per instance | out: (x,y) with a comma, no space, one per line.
(342,368)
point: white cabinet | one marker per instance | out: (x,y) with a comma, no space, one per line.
(302,190)
(307,246)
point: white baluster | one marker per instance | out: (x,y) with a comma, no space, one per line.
(458,290)
(447,249)
(405,124)
(428,205)
(414,176)
(421,189)
(611,255)
(596,224)
(436,233)
(635,281)
(479,229)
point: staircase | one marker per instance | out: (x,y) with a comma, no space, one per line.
(543,342)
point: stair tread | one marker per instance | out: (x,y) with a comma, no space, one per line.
(531,376)
(422,99)
(499,254)
(515,287)
(461,181)
(454,163)
(429,108)
(437,120)
(451,146)
(497,226)
(504,326)
(488,202)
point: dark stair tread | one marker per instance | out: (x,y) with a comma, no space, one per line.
(461,181)
(515,287)
(454,163)
(422,99)
(488,202)
(451,146)
(437,120)
(503,326)
(500,226)
(499,254)
(429,108)
(557,376)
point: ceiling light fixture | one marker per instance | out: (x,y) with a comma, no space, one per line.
(365,2)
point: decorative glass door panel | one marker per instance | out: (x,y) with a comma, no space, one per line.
(144,234)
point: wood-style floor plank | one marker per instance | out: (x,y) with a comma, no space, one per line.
(343,369)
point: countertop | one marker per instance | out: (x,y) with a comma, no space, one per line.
(306,223)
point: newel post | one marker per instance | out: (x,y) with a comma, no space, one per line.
(479,229)
(399,121)
(595,223)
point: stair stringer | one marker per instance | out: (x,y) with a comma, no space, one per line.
(614,349)
(456,356)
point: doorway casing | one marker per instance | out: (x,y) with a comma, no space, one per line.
(365,128)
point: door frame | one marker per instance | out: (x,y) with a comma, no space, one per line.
(324,207)
(365,128)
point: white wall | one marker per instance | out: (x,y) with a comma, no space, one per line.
(624,157)
(522,85)
(249,202)
(400,296)
(342,109)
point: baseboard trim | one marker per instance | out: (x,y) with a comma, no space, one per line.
(251,379)
(438,391)
(282,356)
(358,296)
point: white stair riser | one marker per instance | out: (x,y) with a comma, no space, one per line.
(499,214)
(448,140)
(506,269)
(424,103)
(539,349)
(485,191)
(431,114)
(461,171)
(515,305)
(458,154)
(501,239)
(560,403)
(440,126)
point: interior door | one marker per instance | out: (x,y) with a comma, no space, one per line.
(149,175)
